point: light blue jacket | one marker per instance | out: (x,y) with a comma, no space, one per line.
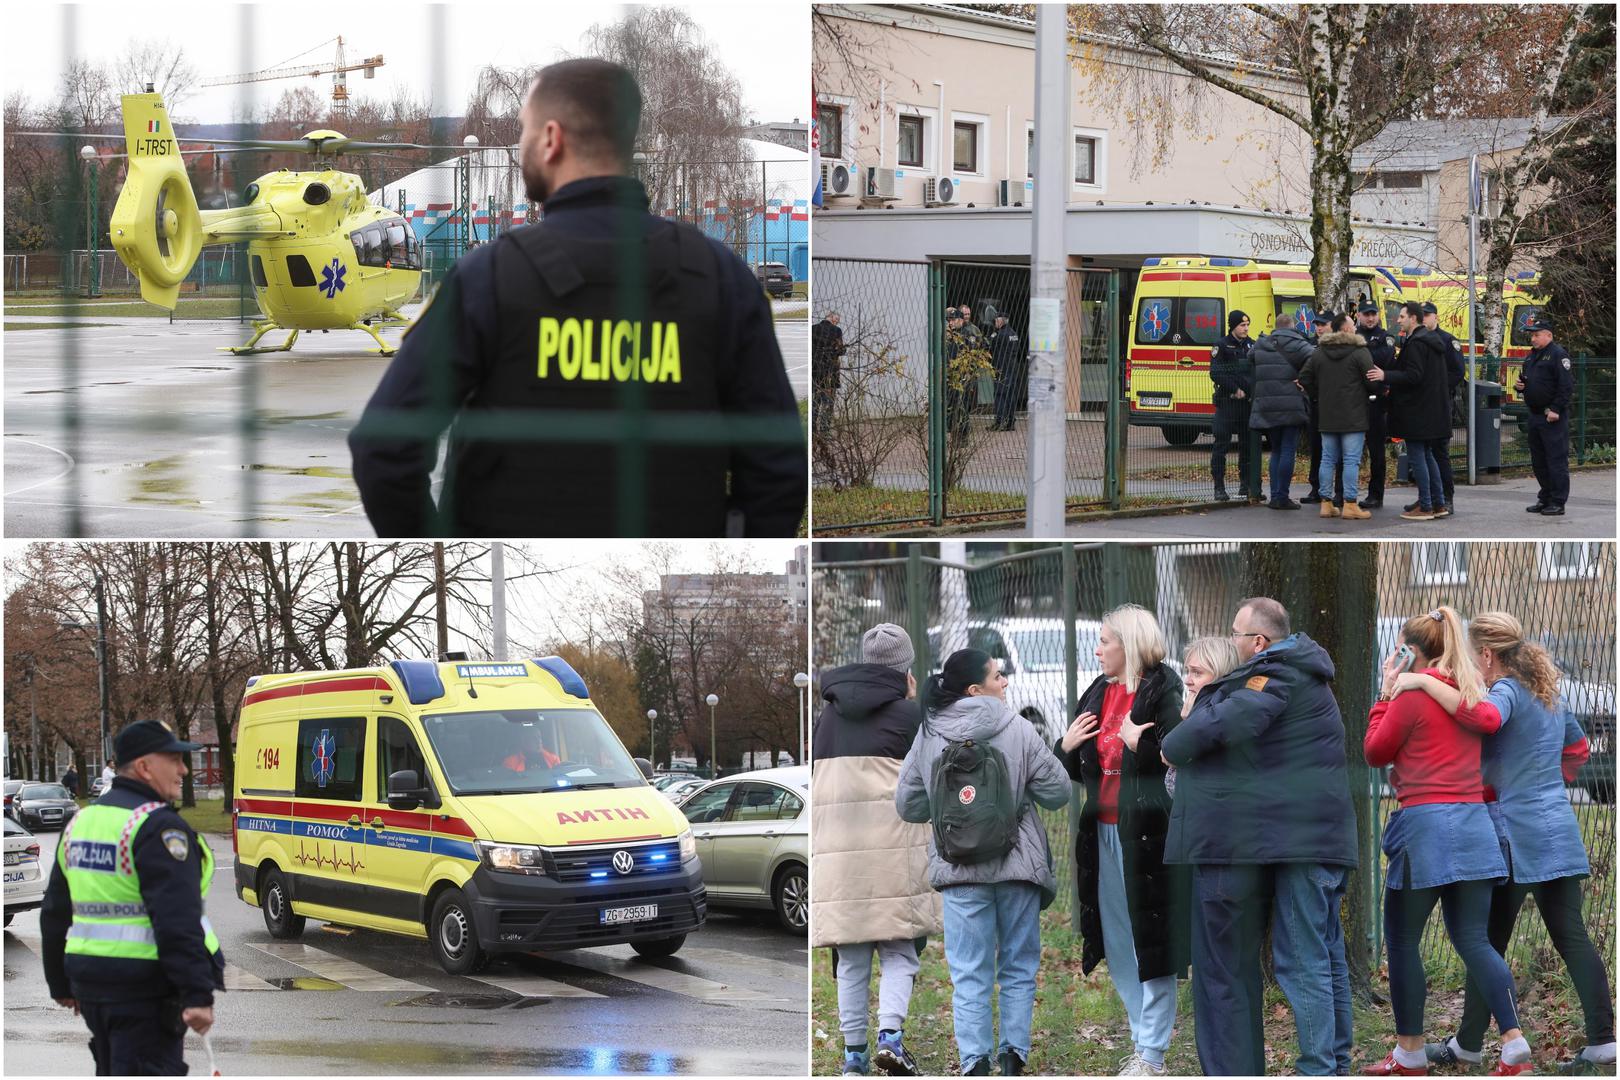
(1522,761)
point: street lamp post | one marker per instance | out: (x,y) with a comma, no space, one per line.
(802,682)
(101,668)
(714,761)
(92,277)
(652,737)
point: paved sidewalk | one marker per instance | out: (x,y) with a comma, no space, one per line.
(1487,511)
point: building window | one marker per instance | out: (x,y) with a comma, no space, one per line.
(1407,180)
(1085,159)
(910,149)
(1564,561)
(1439,564)
(965,157)
(830,129)
(1029,154)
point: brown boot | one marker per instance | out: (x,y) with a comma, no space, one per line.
(1355,512)
(1328,509)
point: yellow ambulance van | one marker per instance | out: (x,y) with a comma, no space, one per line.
(486,807)
(1521,296)
(1179,317)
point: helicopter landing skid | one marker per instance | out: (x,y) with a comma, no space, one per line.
(383,348)
(261,328)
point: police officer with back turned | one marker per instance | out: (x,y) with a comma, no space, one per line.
(123,935)
(1547,386)
(1383,355)
(545,345)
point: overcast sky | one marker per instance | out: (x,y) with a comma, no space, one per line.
(766,45)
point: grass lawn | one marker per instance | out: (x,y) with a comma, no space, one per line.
(210,308)
(208,816)
(51,325)
(1080,1027)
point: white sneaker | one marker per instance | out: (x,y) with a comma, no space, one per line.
(1137,1065)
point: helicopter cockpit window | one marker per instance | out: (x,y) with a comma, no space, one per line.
(399,255)
(251,193)
(375,253)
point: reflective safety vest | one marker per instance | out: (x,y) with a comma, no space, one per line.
(109,917)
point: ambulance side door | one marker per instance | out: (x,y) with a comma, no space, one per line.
(398,842)
(328,844)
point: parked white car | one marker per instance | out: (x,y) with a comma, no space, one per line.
(24,879)
(1031,653)
(679,789)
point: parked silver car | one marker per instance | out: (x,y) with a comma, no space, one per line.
(753,836)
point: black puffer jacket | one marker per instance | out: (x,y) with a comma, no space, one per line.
(1278,358)
(1419,390)
(1157,895)
(1231,368)
(1336,377)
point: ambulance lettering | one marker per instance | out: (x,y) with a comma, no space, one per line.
(588,817)
(329,832)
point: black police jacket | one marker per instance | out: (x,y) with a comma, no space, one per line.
(539,320)
(1548,383)
(1381,346)
(826,352)
(172,891)
(1456,366)
(1006,351)
(1231,368)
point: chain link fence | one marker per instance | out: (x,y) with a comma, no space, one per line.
(1039,609)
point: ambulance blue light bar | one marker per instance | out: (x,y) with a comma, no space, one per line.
(1151,262)
(1229,262)
(420,678)
(566,676)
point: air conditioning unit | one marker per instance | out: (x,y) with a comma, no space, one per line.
(837,179)
(940,192)
(880,184)
(1015,193)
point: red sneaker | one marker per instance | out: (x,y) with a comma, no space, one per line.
(1390,1067)
(1504,1069)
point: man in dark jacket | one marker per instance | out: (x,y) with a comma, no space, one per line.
(1382,349)
(1007,354)
(1547,387)
(1262,813)
(1279,404)
(122,932)
(826,366)
(858,744)
(1231,369)
(1456,372)
(1420,410)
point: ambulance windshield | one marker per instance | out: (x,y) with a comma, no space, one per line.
(519,751)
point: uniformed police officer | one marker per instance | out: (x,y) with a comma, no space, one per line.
(605,316)
(1007,354)
(1382,348)
(124,939)
(1231,369)
(1456,372)
(1546,385)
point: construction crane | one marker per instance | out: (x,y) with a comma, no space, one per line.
(338,69)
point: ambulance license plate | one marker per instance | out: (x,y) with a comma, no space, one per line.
(1153,401)
(20,875)
(634,913)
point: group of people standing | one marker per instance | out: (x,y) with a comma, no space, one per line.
(1216,803)
(1349,386)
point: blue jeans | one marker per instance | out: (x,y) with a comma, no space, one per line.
(1425,474)
(1307,950)
(1149,1003)
(1283,441)
(992,934)
(1341,450)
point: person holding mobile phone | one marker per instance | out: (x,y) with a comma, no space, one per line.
(1441,845)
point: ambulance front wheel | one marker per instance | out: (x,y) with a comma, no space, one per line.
(664,946)
(455,935)
(278,913)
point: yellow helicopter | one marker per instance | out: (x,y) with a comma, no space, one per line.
(321,255)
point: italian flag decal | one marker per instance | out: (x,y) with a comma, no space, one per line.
(154,125)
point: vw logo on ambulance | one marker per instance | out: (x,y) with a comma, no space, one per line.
(623,861)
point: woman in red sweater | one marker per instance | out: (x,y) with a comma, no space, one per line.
(1441,845)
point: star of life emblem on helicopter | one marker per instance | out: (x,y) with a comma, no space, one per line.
(332,279)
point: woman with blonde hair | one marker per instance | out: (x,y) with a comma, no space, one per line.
(1538,748)
(1441,845)
(1133,908)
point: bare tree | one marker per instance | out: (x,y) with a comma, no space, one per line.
(159,64)
(86,101)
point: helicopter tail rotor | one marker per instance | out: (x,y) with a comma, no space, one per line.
(156,227)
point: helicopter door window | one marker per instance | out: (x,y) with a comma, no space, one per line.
(298,271)
(256,264)
(398,250)
(374,255)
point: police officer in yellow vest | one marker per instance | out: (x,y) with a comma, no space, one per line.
(125,941)
(600,313)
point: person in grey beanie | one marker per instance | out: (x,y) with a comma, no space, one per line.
(871,869)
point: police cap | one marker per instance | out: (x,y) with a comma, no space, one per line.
(1322,318)
(1429,308)
(1367,308)
(1539,323)
(147,737)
